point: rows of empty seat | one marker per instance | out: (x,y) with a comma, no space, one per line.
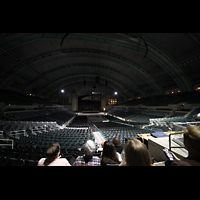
(29,149)
(59,115)
(111,129)
(79,121)
(144,115)
(138,115)
(69,139)
(164,100)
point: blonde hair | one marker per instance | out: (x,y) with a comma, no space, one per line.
(192,134)
(136,153)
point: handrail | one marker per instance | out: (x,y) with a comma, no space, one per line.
(34,131)
(17,133)
(7,144)
(178,132)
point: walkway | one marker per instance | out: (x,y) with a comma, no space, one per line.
(99,138)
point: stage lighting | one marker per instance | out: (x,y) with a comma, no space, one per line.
(62,91)
(115,93)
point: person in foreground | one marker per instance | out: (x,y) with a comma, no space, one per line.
(88,159)
(136,154)
(109,155)
(192,144)
(53,158)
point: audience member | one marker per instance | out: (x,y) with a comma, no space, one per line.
(117,142)
(192,144)
(136,154)
(88,159)
(109,155)
(53,158)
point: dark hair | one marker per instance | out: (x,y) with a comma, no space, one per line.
(109,155)
(52,153)
(116,141)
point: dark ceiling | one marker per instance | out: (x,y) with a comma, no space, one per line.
(134,64)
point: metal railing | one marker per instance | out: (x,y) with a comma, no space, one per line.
(16,134)
(6,144)
(170,136)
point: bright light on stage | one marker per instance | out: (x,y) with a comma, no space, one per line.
(115,93)
(62,91)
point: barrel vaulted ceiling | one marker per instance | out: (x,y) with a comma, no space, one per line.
(134,64)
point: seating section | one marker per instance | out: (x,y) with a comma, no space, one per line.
(79,121)
(190,98)
(144,115)
(138,115)
(61,116)
(69,139)
(24,156)
(28,150)
(111,129)
(33,131)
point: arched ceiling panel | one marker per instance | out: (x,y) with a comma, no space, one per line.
(81,68)
(119,64)
(143,63)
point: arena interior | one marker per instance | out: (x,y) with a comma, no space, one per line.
(72,87)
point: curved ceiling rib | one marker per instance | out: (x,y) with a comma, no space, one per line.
(170,66)
(87,53)
(99,69)
(161,58)
(118,55)
(27,68)
(111,42)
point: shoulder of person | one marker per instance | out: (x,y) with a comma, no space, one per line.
(41,162)
(96,157)
(80,158)
(64,160)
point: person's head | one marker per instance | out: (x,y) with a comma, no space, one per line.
(52,153)
(192,139)
(116,141)
(136,153)
(89,148)
(109,151)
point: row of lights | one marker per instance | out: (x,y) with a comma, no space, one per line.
(172,92)
(187,62)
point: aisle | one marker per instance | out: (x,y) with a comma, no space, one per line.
(99,138)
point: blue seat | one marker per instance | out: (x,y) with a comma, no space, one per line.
(15,162)
(31,162)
